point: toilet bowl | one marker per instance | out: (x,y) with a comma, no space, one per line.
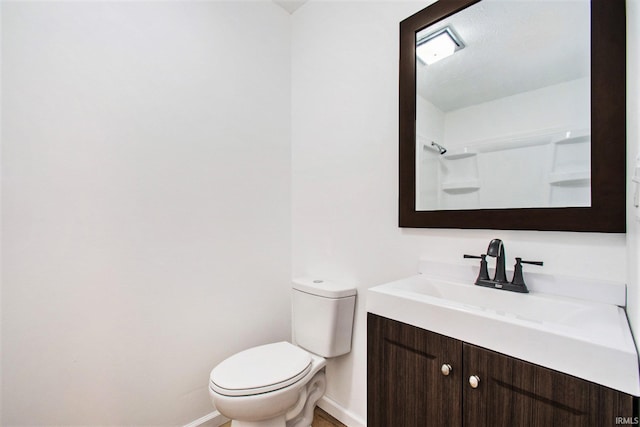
(272,385)
(279,384)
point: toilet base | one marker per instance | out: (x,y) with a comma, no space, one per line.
(315,390)
(274,422)
(301,415)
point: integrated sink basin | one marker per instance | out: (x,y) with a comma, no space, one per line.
(540,309)
(575,335)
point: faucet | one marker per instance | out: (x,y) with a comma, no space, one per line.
(496,249)
(499,281)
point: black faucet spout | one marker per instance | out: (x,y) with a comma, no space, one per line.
(496,250)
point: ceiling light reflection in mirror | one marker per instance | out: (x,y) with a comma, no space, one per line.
(434,47)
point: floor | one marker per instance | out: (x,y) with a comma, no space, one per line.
(320,419)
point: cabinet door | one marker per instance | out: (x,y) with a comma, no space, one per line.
(512,392)
(406,386)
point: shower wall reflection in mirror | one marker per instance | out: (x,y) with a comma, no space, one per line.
(503,107)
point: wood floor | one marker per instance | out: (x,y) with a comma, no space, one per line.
(320,419)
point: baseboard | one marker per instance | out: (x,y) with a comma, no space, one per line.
(341,414)
(214,419)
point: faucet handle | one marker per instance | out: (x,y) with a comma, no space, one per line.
(484,270)
(518,278)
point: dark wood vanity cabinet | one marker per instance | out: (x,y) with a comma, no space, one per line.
(407,386)
(404,369)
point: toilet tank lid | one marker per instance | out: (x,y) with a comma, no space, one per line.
(323,288)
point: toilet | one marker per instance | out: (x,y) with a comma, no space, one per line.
(279,384)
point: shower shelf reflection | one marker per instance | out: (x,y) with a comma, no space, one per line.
(460,187)
(455,155)
(570,178)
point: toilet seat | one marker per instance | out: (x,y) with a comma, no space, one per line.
(261,370)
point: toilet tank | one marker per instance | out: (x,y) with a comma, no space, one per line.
(322,316)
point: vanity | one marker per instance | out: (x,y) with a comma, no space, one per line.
(519,124)
(442,351)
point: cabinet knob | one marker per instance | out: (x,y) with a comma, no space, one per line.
(474,381)
(446,369)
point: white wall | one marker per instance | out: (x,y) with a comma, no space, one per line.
(146,204)
(1,274)
(345,151)
(633,150)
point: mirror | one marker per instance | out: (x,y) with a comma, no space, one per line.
(504,120)
(520,122)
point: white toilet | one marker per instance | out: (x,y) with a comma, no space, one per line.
(279,384)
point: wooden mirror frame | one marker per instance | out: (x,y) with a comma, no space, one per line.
(607,212)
